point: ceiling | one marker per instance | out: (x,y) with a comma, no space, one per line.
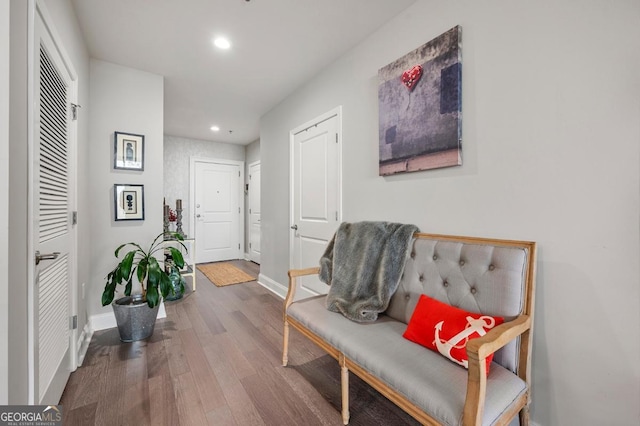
(277,45)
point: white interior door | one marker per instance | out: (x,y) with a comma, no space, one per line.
(217,211)
(53,189)
(254,212)
(316,195)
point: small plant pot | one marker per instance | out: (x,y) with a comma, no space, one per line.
(135,319)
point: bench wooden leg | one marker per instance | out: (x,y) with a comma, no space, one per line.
(285,344)
(345,389)
(524,416)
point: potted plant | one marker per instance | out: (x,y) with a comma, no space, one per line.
(136,315)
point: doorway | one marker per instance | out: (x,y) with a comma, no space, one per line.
(53,239)
(316,193)
(254,212)
(216,210)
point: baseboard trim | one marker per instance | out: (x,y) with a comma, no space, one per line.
(83,343)
(273,286)
(108,319)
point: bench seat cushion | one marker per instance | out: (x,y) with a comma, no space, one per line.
(428,380)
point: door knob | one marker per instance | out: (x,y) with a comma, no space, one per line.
(48,256)
(294,227)
(197,215)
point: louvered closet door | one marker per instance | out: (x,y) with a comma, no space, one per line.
(52,225)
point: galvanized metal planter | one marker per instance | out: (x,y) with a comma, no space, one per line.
(134,317)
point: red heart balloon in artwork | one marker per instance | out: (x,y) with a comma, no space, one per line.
(410,77)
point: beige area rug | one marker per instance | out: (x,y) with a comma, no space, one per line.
(224,273)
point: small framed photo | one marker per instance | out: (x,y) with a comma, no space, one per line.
(128,201)
(128,152)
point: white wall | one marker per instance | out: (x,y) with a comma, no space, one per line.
(17,258)
(177,154)
(124,100)
(4,202)
(252,153)
(551,107)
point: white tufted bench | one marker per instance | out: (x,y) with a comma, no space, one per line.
(487,276)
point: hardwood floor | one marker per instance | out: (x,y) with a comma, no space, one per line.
(216,360)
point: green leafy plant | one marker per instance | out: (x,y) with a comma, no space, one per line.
(145,266)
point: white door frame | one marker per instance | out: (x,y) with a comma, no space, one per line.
(323,117)
(38,7)
(192,193)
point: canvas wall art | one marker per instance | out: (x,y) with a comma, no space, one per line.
(420,99)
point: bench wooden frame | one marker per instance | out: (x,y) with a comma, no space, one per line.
(477,349)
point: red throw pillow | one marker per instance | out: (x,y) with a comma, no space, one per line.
(446,329)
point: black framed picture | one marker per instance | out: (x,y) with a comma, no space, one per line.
(128,201)
(128,151)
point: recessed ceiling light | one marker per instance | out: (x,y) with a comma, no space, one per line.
(215,128)
(222,43)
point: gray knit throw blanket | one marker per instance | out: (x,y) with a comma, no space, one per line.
(363,264)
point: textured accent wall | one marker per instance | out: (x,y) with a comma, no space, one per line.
(178,152)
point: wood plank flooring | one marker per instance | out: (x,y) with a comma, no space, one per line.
(216,360)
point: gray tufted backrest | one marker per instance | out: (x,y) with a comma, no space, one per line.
(478,276)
